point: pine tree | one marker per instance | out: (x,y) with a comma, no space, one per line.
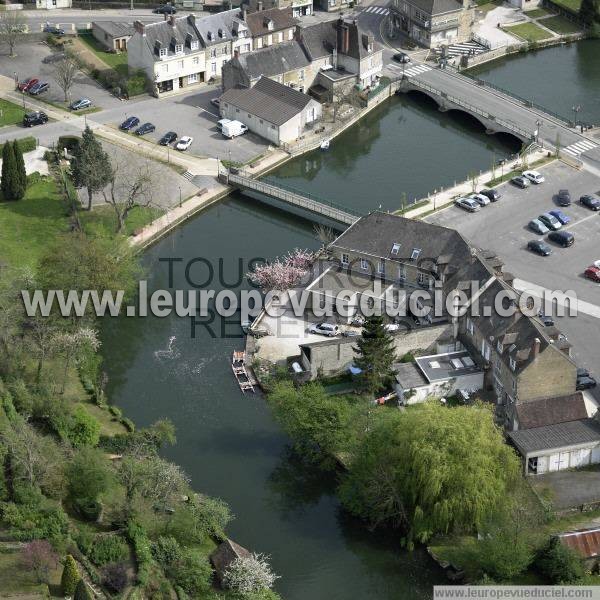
(70,576)
(374,355)
(20,163)
(82,592)
(10,184)
(90,167)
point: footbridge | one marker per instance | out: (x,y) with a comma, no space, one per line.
(289,198)
(498,111)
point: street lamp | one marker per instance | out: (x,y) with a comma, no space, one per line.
(537,131)
(576,110)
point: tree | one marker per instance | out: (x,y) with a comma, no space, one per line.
(431,469)
(70,576)
(282,273)
(13,26)
(90,167)
(20,163)
(40,558)
(249,574)
(65,72)
(83,429)
(89,475)
(82,591)
(589,12)
(375,354)
(72,345)
(11,183)
(560,564)
(129,186)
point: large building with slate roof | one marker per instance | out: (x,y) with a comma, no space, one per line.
(432,23)
(272,110)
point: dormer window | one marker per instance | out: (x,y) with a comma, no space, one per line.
(269,24)
(513,364)
(210,35)
(221,33)
(370,47)
(162,52)
(415,253)
(194,45)
(178,48)
(395,249)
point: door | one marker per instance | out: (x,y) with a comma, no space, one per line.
(554,462)
(563,461)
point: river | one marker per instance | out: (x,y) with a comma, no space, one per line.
(227,442)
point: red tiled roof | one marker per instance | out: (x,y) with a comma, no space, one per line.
(586,542)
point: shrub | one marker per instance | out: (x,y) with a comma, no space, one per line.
(39,558)
(84,539)
(115,577)
(192,573)
(560,564)
(251,574)
(108,549)
(34,522)
(70,576)
(81,429)
(70,142)
(82,591)
(21,395)
(128,424)
(115,411)
(166,550)
(34,178)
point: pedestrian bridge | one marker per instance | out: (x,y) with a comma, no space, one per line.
(290,199)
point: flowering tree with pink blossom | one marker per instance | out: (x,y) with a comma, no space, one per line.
(283,273)
(40,558)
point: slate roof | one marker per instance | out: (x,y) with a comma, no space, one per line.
(274,60)
(553,437)
(436,7)
(585,542)
(549,411)
(376,233)
(319,40)
(114,29)
(269,100)
(164,34)
(358,41)
(219,27)
(281,19)
(225,554)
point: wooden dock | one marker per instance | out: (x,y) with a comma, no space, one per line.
(245,379)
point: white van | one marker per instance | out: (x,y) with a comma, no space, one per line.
(222,122)
(233,129)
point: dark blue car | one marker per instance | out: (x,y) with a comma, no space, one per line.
(129,123)
(560,215)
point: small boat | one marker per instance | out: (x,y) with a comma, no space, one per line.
(325,145)
(238,365)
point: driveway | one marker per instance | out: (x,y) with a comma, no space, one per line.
(569,489)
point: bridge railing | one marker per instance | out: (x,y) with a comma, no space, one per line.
(295,197)
(474,109)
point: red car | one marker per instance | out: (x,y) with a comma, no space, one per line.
(24,86)
(592,273)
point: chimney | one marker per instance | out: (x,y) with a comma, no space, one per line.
(244,14)
(536,347)
(260,5)
(172,20)
(139,27)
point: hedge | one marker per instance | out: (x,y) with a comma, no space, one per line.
(27,144)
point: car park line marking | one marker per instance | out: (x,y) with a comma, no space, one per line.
(208,111)
(571,225)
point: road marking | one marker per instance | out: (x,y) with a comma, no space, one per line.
(571,225)
(208,111)
(377,10)
(580,147)
(416,70)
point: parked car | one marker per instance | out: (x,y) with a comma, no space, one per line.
(561,216)
(520,181)
(215,102)
(184,143)
(480,199)
(468,204)
(324,329)
(81,103)
(52,58)
(144,129)
(592,273)
(168,138)
(401,57)
(129,123)
(26,84)
(39,88)
(534,176)
(582,372)
(590,202)
(545,319)
(53,29)
(221,123)
(562,238)
(350,333)
(35,118)
(538,227)
(165,9)
(563,198)
(492,194)
(233,129)
(585,383)
(539,247)
(550,221)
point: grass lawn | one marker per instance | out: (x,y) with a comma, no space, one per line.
(28,225)
(118,62)
(572,5)
(530,32)
(10,114)
(14,579)
(561,25)
(536,13)
(485,6)
(102,219)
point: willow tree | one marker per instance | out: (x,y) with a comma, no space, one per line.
(431,469)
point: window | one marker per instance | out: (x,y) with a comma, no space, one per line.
(485,350)
(270,39)
(290,34)
(345,259)
(213,68)
(162,52)
(246,48)
(395,249)
(224,50)
(196,60)
(402,272)
(512,363)
(470,327)
(194,45)
(381,267)
(180,64)
(423,279)
(415,253)
(280,37)
(213,53)
(364,264)
(261,121)
(165,68)
(259,43)
(301,74)
(193,78)
(178,48)
(499,346)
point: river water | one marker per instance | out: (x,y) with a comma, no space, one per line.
(227,442)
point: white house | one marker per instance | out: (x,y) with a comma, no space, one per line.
(274,111)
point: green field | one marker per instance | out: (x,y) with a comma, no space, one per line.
(561,25)
(102,219)
(530,32)
(10,114)
(118,62)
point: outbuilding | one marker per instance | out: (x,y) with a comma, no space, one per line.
(112,35)
(274,111)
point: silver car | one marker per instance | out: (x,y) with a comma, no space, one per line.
(538,227)
(480,199)
(467,204)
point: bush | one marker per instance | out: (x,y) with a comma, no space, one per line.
(27,144)
(33,522)
(34,178)
(108,549)
(192,573)
(128,424)
(80,428)
(115,411)
(249,575)
(166,551)
(115,577)
(82,591)
(560,564)
(143,554)
(70,576)
(70,142)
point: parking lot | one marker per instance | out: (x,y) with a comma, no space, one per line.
(502,227)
